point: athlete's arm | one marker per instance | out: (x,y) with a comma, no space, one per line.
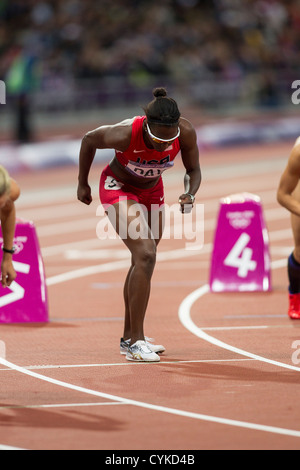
(115,137)
(190,159)
(8,223)
(289,181)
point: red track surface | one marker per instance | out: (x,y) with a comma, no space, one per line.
(201,395)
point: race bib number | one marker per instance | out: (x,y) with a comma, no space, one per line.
(112,184)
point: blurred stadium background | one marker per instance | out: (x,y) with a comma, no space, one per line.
(71,65)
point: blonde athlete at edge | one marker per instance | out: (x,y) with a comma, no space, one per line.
(9,193)
(145,146)
(288,195)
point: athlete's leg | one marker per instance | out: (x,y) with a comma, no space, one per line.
(127,331)
(155,221)
(294,259)
(294,265)
(135,232)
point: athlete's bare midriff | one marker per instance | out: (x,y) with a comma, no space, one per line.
(126,177)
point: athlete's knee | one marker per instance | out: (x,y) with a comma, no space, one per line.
(146,257)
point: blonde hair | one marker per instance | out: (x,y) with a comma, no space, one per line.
(4,181)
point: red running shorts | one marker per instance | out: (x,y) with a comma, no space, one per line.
(111,191)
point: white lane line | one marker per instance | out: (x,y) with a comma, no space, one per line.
(86,223)
(125,364)
(186,320)
(55,250)
(55,194)
(77,209)
(91,222)
(52,195)
(56,211)
(262,327)
(122,264)
(279,263)
(163,409)
(60,405)
(4,447)
(225,328)
(88,271)
(194,415)
(78,225)
(91,243)
(185,307)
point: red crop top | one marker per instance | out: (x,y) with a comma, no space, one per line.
(141,161)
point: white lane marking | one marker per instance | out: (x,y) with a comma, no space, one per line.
(149,406)
(77,209)
(186,303)
(60,405)
(184,313)
(4,447)
(124,364)
(55,211)
(91,243)
(173,411)
(88,271)
(55,194)
(86,223)
(55,250)
(224,328)
(78,225)
(279,263)
(97,254)
(122,264)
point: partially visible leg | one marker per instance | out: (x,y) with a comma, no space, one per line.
(294,266)
(155,221)
(293,274)
(130,223)
(127,332)
(139,287)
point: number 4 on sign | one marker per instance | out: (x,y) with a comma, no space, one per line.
(240,257)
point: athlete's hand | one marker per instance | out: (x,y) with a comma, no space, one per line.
(84,193)
(186,203)
(8,273)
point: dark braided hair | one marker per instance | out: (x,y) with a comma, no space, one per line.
(162,110)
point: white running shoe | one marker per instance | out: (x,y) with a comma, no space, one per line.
(157,348)
(141,352)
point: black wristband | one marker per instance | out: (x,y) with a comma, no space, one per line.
(12,251)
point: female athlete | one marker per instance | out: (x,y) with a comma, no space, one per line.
(9,192)
(145,146)
(288,195)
